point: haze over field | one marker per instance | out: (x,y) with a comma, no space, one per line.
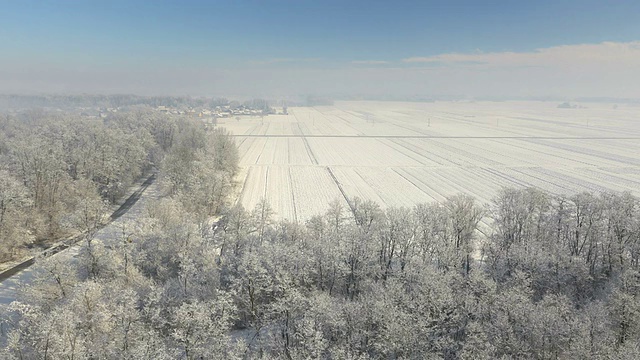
(280,49)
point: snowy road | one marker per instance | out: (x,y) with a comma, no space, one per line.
(129,211)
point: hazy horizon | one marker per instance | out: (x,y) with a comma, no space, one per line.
(562,49)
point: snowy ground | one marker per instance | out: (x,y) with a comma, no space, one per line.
(400,153)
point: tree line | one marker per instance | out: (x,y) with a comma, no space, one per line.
(104,101)
(557,278)
(122,101)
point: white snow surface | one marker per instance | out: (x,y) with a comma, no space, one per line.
(403,153)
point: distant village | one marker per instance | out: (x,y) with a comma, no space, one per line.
(206,114)
(101,106)
(220,111)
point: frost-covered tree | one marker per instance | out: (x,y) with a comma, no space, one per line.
(14,210)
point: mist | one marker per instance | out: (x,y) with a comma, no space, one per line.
(586,70)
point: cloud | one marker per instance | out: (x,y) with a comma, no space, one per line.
(369,62)
(603,69)
(606,54)
(282,61)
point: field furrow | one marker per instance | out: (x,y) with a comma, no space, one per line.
(400,154)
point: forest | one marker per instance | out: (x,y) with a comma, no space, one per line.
(59,173)
(199,277)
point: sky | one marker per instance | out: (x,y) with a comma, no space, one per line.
(462,48)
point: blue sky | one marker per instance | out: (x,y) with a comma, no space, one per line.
(212,47)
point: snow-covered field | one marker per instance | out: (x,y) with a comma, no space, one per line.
(402,153)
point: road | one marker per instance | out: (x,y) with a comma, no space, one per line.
(130,210)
